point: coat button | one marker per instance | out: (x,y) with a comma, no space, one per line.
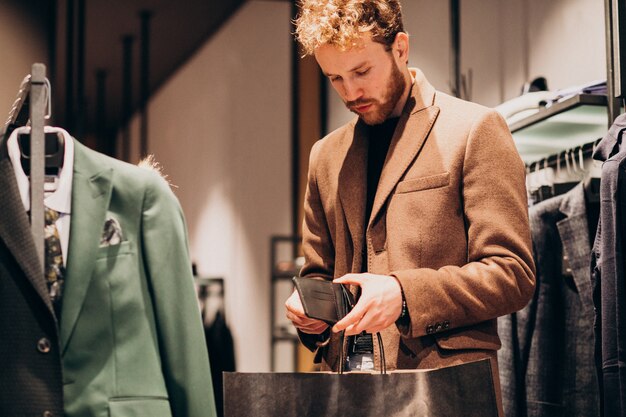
(47,414)
(446,324)
(430,329)
(438,327)
(43,345)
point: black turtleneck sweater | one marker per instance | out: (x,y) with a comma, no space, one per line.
(379,139)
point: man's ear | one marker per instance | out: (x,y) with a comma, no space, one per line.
(401,47)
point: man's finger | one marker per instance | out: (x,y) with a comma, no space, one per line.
(351,318)
(294,309)
(312,326)
(350,330)
(294,305)
(294,317)
(351,279)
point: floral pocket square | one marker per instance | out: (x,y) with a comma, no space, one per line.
(111,233)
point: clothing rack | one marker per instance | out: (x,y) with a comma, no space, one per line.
(564,158)
(33,99)
(558,173)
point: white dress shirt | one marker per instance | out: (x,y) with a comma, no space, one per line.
(57,190)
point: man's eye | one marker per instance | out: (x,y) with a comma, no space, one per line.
(333,79)
(363,72)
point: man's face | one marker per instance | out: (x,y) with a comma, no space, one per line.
(367,78)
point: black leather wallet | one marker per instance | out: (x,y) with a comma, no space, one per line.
(324,300)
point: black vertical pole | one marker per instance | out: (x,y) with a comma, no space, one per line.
(613,83)
(52,46)
(295,155)
(104,145)
(295,130)
(69,66)
(127,95)
(80,72)
(323,104)
(145,15)
(619,17)
(455,50)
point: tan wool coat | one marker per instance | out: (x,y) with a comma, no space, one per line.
(449,221)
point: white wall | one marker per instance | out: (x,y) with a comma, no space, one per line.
(22,43)
(504,43)
(566,41)
(221,129)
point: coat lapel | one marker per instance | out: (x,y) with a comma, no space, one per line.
(413,128)
(16,234)
(352,178)
(415,123)
(574,236)
(15,228)
(91,192)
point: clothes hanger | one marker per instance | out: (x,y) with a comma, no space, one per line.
(547,185)
(54,151)
(591,183)
(54,147)
(566,179)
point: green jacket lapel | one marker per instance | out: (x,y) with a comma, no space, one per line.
(91,192)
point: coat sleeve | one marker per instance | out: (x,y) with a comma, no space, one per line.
(499,275)
(317,244)
(180,334)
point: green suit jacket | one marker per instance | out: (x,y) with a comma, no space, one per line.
(131,338)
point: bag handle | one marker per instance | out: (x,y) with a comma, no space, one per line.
(383,365)
(381,350)
(344,304)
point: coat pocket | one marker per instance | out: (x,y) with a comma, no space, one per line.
(114,251)
(139,407)
(479,337)
(423,183)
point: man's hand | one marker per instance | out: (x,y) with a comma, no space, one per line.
(379,305)
(295,313)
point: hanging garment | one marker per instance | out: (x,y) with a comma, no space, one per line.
(30,371)
(221,348)
(547,362)
(130,337)
(608,274)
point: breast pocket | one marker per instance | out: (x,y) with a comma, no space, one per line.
(113,251)
(423,183)
(139,407)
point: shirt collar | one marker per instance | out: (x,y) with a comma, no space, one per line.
(61,199)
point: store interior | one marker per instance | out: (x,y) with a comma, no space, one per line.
(218,93)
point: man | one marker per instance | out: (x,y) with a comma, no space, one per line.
(419,203)
(121,334)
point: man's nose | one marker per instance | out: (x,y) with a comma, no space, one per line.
(352,91)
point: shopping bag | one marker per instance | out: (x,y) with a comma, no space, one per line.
(464,390)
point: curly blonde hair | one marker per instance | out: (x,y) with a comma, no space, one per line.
(341,22)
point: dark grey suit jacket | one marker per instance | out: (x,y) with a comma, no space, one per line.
(30,365)
(547,360)
(609,274)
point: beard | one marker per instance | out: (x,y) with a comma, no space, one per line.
(381,110)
